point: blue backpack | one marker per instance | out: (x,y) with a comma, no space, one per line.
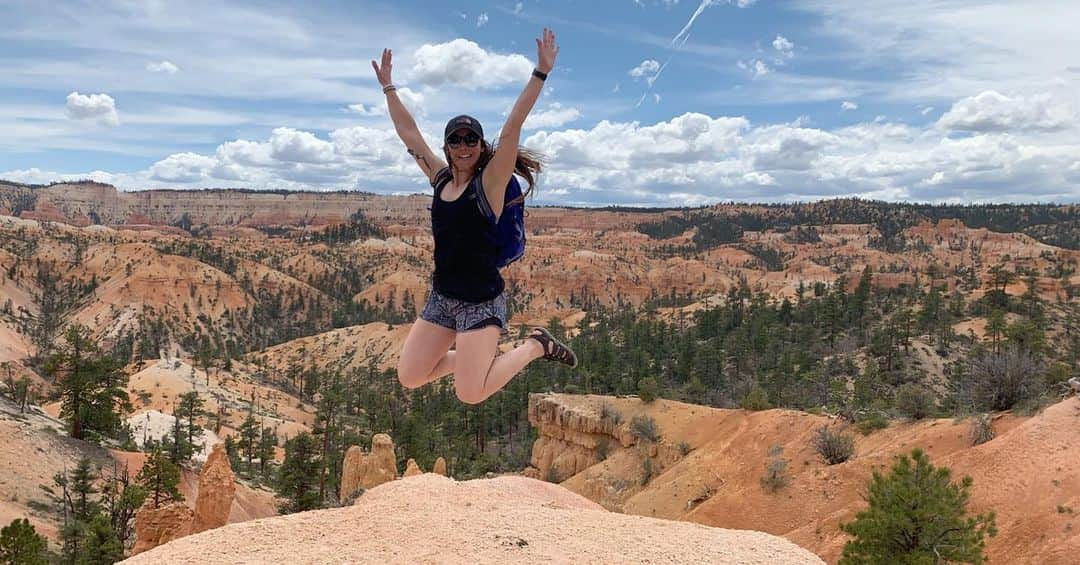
(510,227)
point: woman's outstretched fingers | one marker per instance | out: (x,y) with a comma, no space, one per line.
(382,71)
(546,50)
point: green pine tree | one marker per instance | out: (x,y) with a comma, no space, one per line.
(298,477)
(120,499)
(267,443)
(20,543)
(77,489)
(995,328)
(100,545)
(176,444)
(190,409)
(91,386)
(328,430)
(72,535)
(916,516)
(81,485)
(249,438)
(159,477)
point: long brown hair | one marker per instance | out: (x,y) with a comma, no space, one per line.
(528,164)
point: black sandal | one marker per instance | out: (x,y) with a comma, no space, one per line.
(554,350)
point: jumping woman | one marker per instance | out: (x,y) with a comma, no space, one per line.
(466,307)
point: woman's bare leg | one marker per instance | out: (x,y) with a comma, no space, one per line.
(426,355)
(478,373)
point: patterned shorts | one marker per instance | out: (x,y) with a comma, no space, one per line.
(462,316)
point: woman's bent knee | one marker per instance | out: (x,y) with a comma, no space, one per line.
(469,395)
(409,376)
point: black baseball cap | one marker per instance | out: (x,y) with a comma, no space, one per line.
(466,122)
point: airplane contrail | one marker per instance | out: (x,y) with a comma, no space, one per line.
(684,34)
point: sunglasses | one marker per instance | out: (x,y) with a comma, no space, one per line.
(469,139)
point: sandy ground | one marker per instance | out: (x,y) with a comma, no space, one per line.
(432,519)
(13,346)
(29,458)
(1028,474)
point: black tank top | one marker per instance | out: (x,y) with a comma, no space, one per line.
(465,245)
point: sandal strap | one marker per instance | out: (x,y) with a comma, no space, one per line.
(546,341)
(554,350)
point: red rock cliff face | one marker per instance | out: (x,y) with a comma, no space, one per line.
(89,202)
(79,202)
(217,491)
(586,443)
(573,438)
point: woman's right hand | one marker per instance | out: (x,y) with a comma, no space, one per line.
(382,72)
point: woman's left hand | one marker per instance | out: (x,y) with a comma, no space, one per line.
(546,50)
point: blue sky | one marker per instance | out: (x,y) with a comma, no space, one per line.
(652,102)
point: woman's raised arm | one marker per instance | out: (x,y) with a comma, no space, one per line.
(498,171)
(404,124)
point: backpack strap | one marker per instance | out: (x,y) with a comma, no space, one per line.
(444,176)
(441,178)
(481,198)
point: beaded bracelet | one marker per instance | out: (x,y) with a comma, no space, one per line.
(389,88)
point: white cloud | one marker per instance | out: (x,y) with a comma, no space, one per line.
(375,144)
(413,101)
(787,148)
(356,157)
(619,145)
(616,89)
(182,168)
(98,107)
(517,8)
(784,46)
(245,153)
(555,115)
(295,146)
(364,110)
(926,110)
(992,111)
(756,67)
(650,70)
(647,68)
(847,105)
(691,157)
(163,67)
(656,98)
(727,159)
(463,63)
(481,19)
(35,175)
(953,49)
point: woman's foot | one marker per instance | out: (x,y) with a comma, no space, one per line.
(554,350)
